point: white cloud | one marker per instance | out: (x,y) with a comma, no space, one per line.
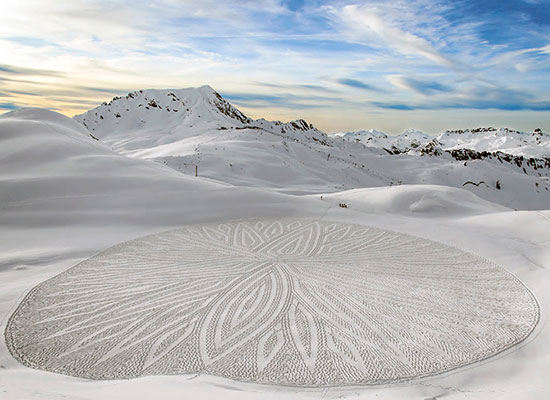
(363,21)
(522,67)
(125,45)
(511,55)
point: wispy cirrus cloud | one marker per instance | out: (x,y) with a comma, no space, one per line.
(357,84)
(17,70)
(419,85)
(478,104)
(284,100)
(8,106)
(343,64)
(363,22)
(475,99)
(299,86)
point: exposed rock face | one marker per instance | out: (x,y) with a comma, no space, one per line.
(227,109)
(197,132)
(534,144)
(179,107)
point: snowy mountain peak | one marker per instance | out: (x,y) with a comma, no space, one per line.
(154,108)
(410,138)
(539,132)
(506,140)
(504,131)
(370,133)
(528,144)
(172,127)
(414,133)
(474,130)
(370,138)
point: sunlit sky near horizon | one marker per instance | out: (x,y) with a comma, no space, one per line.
(341,65)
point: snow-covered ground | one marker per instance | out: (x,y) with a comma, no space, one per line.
(409,139)
(527,144)
(65,196)
(196,131)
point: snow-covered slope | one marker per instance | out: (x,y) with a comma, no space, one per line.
(65,196)
(53,174)
(371,137)
(52,157)
(409,139)
(226,146)
(527,144)
(415,200)
(149,118)
(209,137)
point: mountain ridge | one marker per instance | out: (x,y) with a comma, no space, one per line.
(534,144)
(209,137)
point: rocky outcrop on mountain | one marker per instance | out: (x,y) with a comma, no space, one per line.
(535,144)
(196,132)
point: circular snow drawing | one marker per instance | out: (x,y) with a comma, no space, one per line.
(280,301)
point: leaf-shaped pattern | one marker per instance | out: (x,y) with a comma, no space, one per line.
(269,346)
(303,331)
(345,348)
(227,325)
(291,301)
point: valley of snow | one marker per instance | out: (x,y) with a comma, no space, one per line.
(72,188)
(196,130)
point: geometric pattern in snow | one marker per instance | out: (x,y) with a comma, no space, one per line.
(279,301)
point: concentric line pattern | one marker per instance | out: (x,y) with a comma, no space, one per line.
(287,301)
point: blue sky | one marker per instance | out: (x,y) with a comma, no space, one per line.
(341,65)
